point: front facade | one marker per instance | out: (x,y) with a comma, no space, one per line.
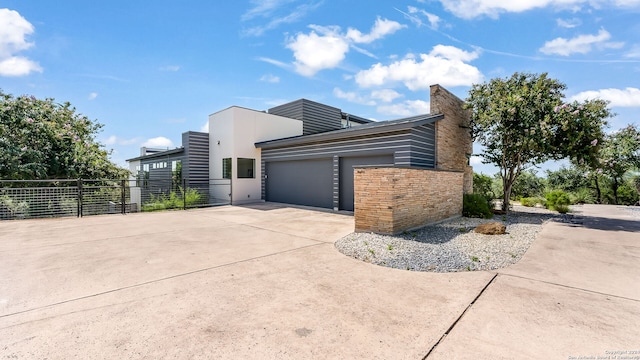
(305,152)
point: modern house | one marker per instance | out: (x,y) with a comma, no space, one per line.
(307,153)
(160,171)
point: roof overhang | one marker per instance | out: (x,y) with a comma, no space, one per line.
(158,154)
(373,128)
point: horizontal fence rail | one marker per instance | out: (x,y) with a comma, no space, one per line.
(28,199)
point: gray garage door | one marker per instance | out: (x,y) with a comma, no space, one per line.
(346,175)
(303,182)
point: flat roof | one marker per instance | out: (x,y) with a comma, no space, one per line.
(158,154)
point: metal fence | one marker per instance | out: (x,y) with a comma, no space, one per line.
(27,199)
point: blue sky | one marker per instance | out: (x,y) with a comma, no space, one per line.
(149,71)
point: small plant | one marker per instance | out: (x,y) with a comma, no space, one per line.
(476,205)
(366,243)
(557,198)
(390,247)
(562,209)
(469,268)
(504,218)
(372,252)
(487,258)
(532,201)
(414,234)
(513,255)
(475,259)
(462,230)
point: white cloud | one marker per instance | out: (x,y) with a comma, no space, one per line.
(92,96)
(159,142)
(112,140)
(270,78)
(475,160)
(434,20)
(380,29)
(352,97)
(326,46)
(385,95)
(580,44)
(274,62)
(444,65)
(468,9)
(634,53)
(172,68)
(13,32)
(266,9)
(315,52)
(263,8)
(406,108)
(568,23)
(205,127)
(628,97)
(18,66)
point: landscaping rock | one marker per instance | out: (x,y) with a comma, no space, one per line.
(491,228)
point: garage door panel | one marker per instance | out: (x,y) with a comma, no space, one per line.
(301,182)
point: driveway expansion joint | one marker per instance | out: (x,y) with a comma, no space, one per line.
(446,333)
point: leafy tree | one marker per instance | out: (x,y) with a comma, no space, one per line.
(41,139)
(482,184)
(619,154)
(567,179)
(528,184)
(522,121)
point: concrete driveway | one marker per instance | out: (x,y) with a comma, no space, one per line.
(265,281)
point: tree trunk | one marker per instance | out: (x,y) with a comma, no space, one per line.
(599,200)
(615,190)
(506,185)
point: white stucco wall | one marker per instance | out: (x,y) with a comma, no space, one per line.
(134,191)
(238,129)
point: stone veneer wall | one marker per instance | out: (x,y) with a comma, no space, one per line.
(454,144)
(389,200)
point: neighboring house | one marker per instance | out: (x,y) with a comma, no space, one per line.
(160,171)
(305,152)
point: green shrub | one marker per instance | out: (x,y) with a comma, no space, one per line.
(582,196)
(476,205)
(557,198)
(483,185)
(562,209)
(533,201)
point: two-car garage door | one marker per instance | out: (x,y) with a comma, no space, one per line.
(310,182)
(300,182)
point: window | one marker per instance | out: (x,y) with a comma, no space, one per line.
(245,168)
(226,168)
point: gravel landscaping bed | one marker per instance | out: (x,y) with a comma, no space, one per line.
(452,245)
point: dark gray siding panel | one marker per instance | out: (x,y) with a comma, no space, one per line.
(379,144)
(346,175)
(308,182)
(195,165)
(423,146)
(316,117)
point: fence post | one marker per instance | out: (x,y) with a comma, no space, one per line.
(80,198)
(123,197)
(184,194)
